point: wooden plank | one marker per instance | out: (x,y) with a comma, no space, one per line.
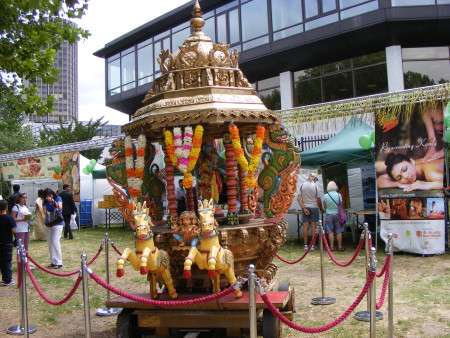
(192,319)
(278,298)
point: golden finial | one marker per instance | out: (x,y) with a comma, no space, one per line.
(197,21)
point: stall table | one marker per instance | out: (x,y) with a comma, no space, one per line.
(110,214)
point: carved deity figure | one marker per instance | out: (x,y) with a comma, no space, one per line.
(186,229)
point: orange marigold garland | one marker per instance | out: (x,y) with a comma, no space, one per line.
(239,153)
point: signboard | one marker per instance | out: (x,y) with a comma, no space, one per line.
(30,167)
(70,172)
(410,177)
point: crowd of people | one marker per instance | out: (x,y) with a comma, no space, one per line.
(15,220)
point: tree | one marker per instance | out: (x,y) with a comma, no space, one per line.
(75,131)
(31,32)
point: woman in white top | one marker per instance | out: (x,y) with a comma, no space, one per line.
(18,212)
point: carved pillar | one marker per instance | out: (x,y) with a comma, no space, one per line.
(244,198)
(230,164)
(170,189)
(190,199)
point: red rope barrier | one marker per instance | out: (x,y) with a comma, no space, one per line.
(355,254)
(170,303)
(41,293)
(383,269)
(328,326)
(64,274)
(313,241)
(115,248)
(387,268)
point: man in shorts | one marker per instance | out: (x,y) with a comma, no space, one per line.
(310,202)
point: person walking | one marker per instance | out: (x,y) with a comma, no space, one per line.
(12,201)
(7,230)
(331,201)
(310,202)
(21,216)
(53,234)
(69,208)
(39,217)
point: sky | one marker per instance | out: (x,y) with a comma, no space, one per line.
(107,20)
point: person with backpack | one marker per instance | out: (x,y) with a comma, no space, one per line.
(310,202)
(12,201)
(331,201)
(7,230)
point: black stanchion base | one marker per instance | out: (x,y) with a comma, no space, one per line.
(323,301)
(364,316)
(20,330)
(108,311)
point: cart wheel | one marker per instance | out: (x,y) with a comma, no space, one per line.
(271,325)
(126,325)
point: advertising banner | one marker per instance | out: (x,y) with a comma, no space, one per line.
(410,177)
(70,172)
(30,168)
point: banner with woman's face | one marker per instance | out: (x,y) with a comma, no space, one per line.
(409,165)
(410,152)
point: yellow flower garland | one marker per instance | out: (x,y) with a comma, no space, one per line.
(239,153)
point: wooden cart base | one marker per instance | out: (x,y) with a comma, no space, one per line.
(228,313)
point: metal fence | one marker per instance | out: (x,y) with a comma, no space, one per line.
(308,142)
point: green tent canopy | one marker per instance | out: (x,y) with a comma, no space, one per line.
(342,148)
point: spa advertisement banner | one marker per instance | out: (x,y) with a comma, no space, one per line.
(409,165)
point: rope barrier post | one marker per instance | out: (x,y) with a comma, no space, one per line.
(87,314)
(364,316)
(373,294)
(252,301)
(322,300)
(106,310)
(391,288)
(24,328)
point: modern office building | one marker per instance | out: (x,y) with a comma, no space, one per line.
(65,90)
(296,52)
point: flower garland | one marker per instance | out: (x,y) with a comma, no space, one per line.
(184,150)
(239,153)
(135,168)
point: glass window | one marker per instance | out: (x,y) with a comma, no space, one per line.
(288,32)
(307,92)
(227,6)
(156,51)
(307,74)
(369,59)
(233,17)
(254,20)
(400,3)
(337,87)
(426,73)
(145,62)
(271,98)
(311,8)
(162,35)
(272,82)
(325,20)
(222,28)
(350,3)
(114,74)
(425,53)
(328,5)
(179,37)
(128,70)
(210,29)
(348,13)
(371,80)
(286,13)
(336,66)
(255,43)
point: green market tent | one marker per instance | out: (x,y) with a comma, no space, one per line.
(343,147)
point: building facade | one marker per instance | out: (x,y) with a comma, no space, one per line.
(296,52)
(65,89)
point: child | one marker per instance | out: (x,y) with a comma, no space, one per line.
(7,229)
